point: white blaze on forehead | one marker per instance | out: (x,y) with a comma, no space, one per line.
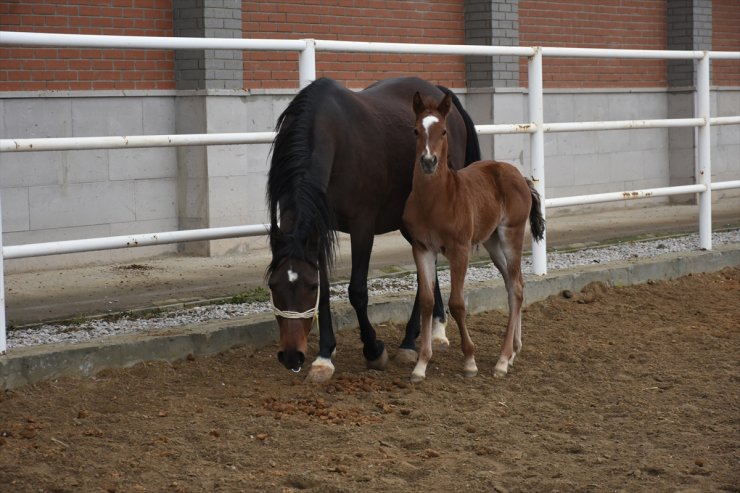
(427,122)
(292,276)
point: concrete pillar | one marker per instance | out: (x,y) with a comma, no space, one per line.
(203,77)
(492,22)
(689,28)
(208,69)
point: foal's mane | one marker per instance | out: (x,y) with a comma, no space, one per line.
(292,184)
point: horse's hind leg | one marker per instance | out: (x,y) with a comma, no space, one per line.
(505,249)
(373,348)
(439,322)
(458,267)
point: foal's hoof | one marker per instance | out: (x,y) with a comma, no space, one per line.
(440,343)
(406,356)
(321,371)
(380,363)
(439,336)
(470,370)
(417,378)
(502,368)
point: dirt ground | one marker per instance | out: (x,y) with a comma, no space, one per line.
(618,389)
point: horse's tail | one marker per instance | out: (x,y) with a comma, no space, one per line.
(536,220)
(472,146)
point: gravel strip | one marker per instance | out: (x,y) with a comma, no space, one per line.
(96,329)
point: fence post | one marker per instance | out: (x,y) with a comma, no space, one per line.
(704,162)
(307,64)
(3,338)
(537,151)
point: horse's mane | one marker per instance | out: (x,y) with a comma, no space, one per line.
(472,146)
(292,185)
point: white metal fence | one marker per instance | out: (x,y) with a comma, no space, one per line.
(535,127)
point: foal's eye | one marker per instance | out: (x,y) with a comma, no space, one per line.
(444,132)
(416,131)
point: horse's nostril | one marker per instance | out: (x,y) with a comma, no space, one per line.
(291,359)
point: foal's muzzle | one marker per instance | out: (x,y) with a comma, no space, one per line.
(428,163)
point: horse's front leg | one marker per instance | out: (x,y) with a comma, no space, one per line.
(322,368)
(373,348)
(425,268)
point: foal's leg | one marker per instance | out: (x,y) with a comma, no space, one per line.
(458,267)
(425,261)
(505,249)
(407,350)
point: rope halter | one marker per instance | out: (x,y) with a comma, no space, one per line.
(310,313)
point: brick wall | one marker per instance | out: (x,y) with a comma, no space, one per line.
(58,69)
(636,24)
(726,37)
(434,21)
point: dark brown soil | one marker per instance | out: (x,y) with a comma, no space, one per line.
(617,389)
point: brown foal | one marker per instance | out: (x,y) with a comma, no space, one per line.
(449,212)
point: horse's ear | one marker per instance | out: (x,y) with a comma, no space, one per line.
(444,105)
(419,106)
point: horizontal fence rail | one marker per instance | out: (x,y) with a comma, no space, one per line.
(306,48)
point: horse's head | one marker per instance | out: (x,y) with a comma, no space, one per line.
(294,285)
(431,132)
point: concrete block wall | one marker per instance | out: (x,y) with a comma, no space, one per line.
(60,195)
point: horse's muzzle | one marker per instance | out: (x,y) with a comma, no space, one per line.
(292,359)
(428,164)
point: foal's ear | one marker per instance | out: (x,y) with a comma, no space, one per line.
(444,105)
(419,105)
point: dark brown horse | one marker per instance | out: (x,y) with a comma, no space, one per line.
(449,211)
(343,161)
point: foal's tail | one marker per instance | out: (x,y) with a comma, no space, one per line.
(536,221)
(472,146)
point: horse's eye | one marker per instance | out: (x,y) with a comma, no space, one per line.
(416,131)
(444,132)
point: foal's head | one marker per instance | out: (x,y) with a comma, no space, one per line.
(431,132)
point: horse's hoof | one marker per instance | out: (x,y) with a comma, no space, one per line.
(416,378)
(321,371)
(502,368)
(439,336)
(470,370)
(440,344)
(406,356)
(380,363)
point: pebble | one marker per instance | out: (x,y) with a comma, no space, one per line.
(98,329)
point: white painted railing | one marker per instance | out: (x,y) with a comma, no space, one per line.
(307,48)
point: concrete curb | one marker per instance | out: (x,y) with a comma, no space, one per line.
(38,363)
